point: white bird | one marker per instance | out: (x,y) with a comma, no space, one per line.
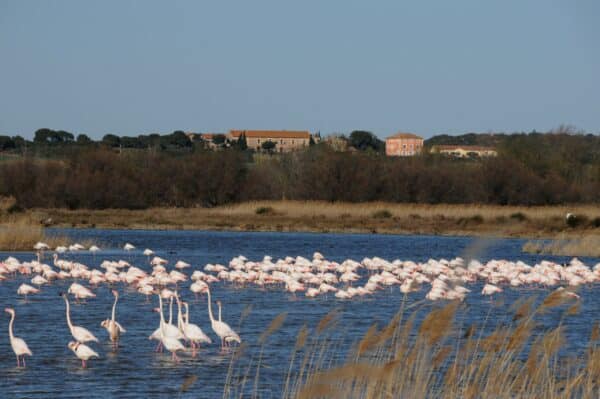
(221,328)
(128,247)
(19,346)
(192,332)
(181,264)
(81,334)
(83,352)
(171,342)
(94,248)
(26,289)
(112,325)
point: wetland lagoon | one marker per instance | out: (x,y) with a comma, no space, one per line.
(529,340)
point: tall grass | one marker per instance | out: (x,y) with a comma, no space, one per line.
(22,236)
(438,355)
(582,246)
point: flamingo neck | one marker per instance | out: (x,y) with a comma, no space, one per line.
(210,314)
(68,313)
(179,316)
(10,326)
(171,310)
(219,305)
(187,314)
(114,308)
(162,317)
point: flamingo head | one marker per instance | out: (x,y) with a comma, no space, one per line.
(9,310)
(73,345)
(62,294)
(104,323)
(157,310)
(115,293)
(219,303)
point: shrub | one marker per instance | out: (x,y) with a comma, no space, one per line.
(382,214)
(518,216)
(265,210)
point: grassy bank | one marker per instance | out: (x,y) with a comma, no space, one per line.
(315,216)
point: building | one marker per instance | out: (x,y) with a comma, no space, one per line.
(403,144)
(285,140)
(464,151)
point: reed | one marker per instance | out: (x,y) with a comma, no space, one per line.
(588,245)
(22,236)
(509,357)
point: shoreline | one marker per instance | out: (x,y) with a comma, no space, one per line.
(546,222)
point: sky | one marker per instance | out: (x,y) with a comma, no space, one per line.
(427,67)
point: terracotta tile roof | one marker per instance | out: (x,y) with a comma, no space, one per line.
(401,135)
(464,147)
(279,134)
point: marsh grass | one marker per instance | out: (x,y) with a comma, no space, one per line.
(436,355)
(22,236)
(583,246)
(378,217)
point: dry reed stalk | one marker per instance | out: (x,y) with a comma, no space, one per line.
(275,325)
(437,323)
(327,321)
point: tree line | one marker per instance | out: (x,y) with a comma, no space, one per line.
(531,169)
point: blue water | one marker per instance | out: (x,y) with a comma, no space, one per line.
(136,371)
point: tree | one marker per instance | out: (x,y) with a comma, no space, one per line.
(83,139)
(6,143)
(268,146)
(111,140)
(42,135)
(363,140)
(219,139)
(241,143)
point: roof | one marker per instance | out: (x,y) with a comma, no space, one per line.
(464,147)
(401,135)
(280,134)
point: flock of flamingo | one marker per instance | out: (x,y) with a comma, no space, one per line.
(447,280)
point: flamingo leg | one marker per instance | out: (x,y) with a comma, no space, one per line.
(24,364)
(82,363)
(18,363)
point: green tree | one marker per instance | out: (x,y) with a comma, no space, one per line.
(42,136)
(111,140)
(241,143)
(268,146)
(6,143)
(219,139)
(363,140)
(83,139)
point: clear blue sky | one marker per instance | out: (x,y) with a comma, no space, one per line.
(429,67)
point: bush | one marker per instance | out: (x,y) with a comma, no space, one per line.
(265,210)
(383,214)
(518,216)
(575,220)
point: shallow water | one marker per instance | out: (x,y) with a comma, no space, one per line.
(136,371)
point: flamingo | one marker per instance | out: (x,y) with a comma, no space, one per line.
(164,329)
(26,289)
(231,338)
(19,346)
(112,325)
(169,341)
(81,334)
(192,332)
(221,328)
(82,351)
